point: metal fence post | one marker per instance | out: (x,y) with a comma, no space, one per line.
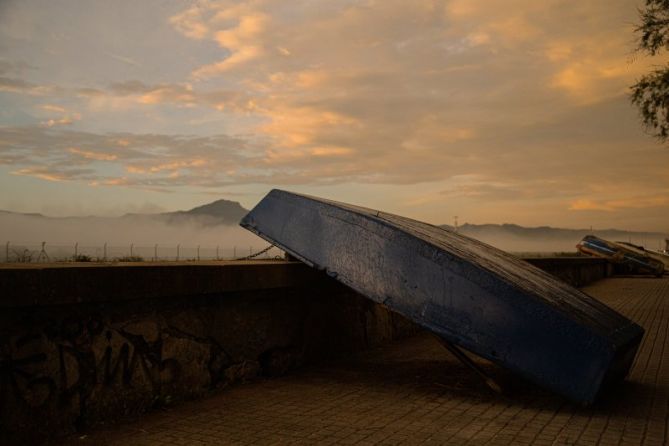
(104,252)
(43,256)
(178,246)
(217,258)
(155,252)
(198,253)
(131,245)
(76,251)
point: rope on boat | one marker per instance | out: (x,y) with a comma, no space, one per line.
(256,254)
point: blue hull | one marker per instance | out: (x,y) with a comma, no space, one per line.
(468,293)
(635,258)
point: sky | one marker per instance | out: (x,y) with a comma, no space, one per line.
(428,109)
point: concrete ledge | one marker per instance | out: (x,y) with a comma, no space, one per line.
(576,271)
(84,343)
(67,283)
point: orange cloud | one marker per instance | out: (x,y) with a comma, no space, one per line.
(299,126)
(98,156)
(331,151)
(41,174)
(65,120)
(643,202)
(171,166)
(242,39)
(238,57)
(584,204)
(122,181)
(191,22)
(52,108)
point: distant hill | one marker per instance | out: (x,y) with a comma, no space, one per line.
(517,238)
(219,212)
(213,227)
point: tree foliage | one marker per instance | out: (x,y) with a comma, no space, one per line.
(651,93)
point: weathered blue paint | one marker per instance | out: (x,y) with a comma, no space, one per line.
(636,258)
(467,292)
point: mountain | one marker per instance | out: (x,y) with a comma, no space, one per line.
(224,215)
(511,237)
(219,212)
(211,225)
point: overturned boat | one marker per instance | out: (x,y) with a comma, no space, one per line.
(656,255)
(631,258)
(662,257)
(468,293)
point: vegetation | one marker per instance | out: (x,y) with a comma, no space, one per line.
(651,93)
(130,259)
(82,258)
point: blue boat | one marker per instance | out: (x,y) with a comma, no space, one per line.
(635,259)
(466,292)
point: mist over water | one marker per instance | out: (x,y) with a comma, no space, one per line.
(92,233)
(153,237)
(528,245)
(561,241)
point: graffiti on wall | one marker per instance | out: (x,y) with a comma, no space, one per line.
(84,362)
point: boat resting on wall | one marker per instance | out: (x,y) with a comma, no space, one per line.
(634,259)
(468,293)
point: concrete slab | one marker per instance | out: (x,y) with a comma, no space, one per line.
(26,285)
(414,392)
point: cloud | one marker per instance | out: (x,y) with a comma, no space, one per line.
(190,22)
(405,88)
(12,85)
(144,160)
(99,156)
(52,108)
(134,93)
(237,27)
(65,120)
(501,108)
(611,205)
(61,173)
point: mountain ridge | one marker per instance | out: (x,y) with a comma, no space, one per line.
(526,230)
(221,211)
(226,212)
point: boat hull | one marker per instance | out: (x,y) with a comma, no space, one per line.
(467,292)
(635,259)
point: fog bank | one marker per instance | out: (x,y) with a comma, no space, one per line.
(90,234)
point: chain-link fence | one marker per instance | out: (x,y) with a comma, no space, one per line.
(75,252)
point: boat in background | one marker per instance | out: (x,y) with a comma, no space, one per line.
(632,258)
(466,292)
(662,256)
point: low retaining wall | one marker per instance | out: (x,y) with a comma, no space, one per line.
(576,271)
(80,345)
(85,343)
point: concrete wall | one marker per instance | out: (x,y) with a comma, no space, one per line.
(81,344)
(576,271)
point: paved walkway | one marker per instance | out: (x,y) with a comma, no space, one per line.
(414,392)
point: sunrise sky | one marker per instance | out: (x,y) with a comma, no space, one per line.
(513,111)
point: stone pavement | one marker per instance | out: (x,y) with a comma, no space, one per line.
(415,392)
